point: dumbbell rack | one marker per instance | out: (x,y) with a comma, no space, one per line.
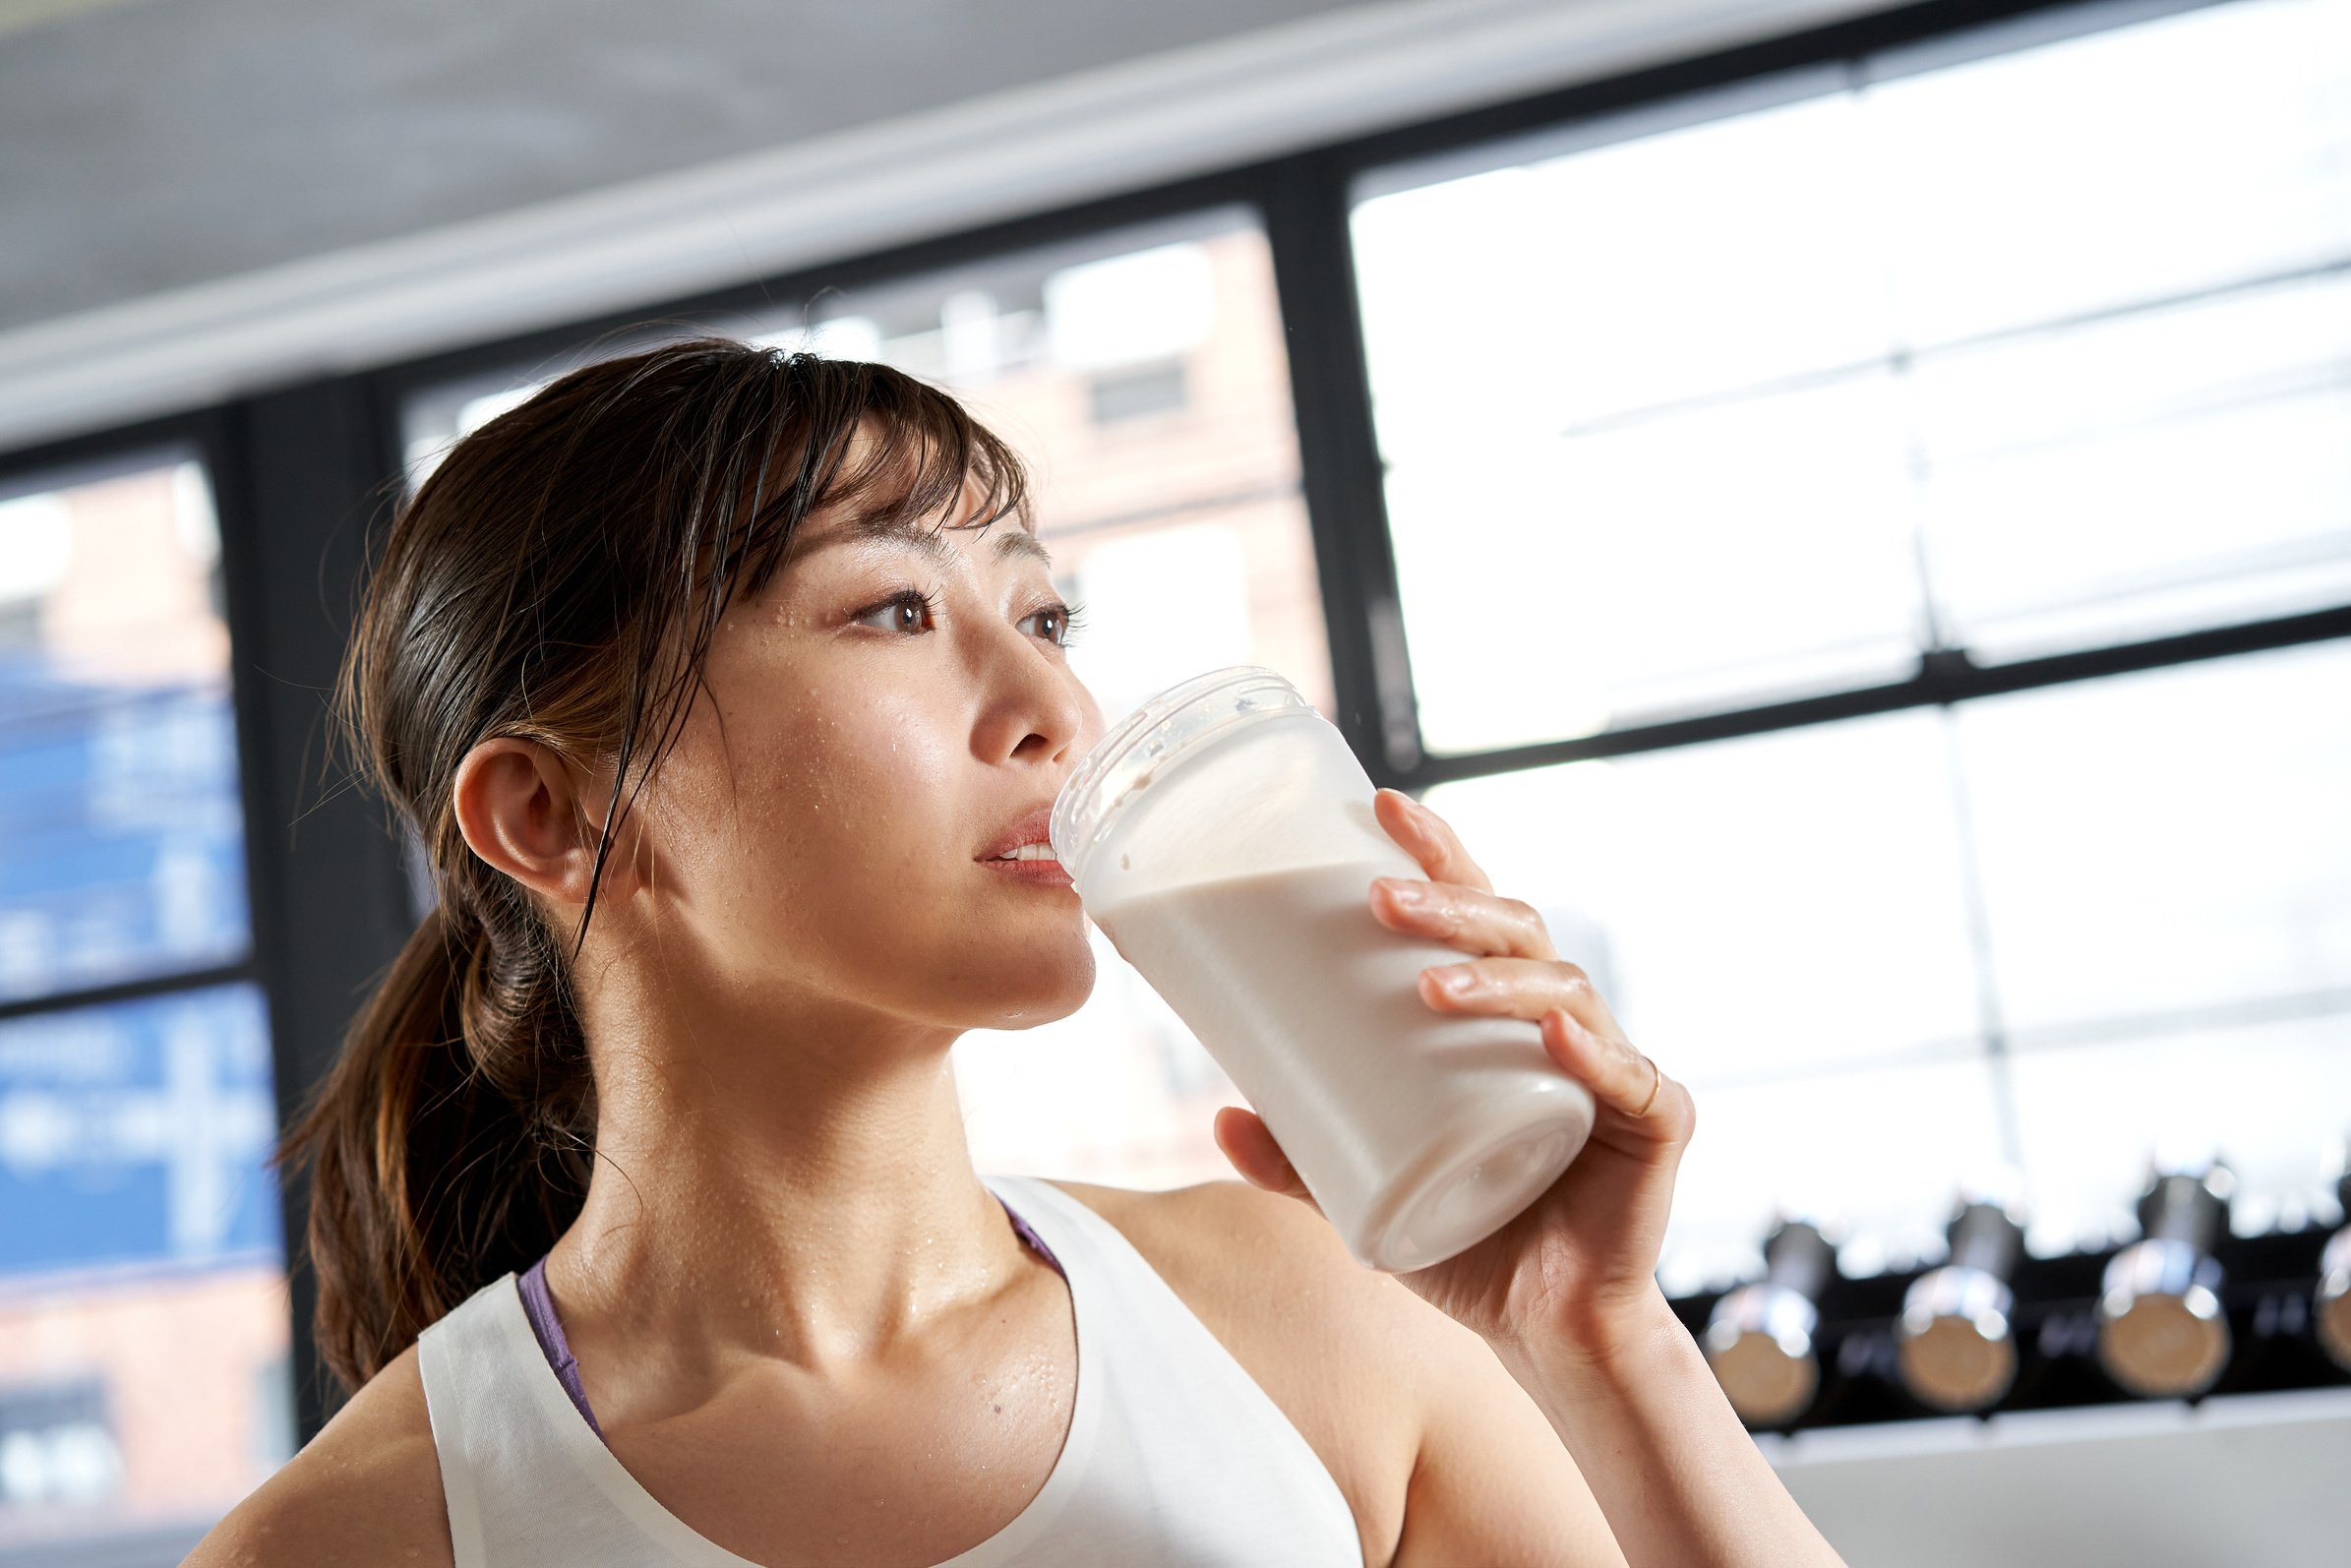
(2269,1280)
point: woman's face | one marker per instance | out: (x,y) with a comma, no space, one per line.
(877,719)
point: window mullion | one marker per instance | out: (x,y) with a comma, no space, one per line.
(1306,225)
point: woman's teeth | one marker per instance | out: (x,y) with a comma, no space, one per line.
(1030,852)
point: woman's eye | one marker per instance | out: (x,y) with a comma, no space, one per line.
(908,611)
(1063,622)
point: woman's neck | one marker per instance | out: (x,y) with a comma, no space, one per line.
(816,1207)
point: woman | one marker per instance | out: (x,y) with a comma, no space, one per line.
(719,684)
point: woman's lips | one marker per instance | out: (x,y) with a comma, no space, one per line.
(1041,872)
(1034,826)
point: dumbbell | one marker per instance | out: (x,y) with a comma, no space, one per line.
(1759,1338)
(1956,1340)
(2331,1308)
(2161,1331)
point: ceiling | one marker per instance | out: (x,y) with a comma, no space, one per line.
(16,15)
(146,145)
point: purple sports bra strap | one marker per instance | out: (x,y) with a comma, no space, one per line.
(539,1307)
(1022,1227)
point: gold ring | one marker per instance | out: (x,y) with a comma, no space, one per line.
(1657,1082)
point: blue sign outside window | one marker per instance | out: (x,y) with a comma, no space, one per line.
(136,1134)
(133,1133)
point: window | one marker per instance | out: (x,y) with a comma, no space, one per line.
(2151,976)
(124,852)
(1142,374)
(1950,357)
(1776,390)
(143,1299)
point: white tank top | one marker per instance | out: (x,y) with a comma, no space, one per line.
(1176,1458)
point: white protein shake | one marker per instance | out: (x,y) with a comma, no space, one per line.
(1222,837)
(1291,982)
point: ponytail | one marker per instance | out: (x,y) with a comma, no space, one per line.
(557,578)
(451,1141)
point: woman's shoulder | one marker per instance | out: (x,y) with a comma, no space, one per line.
(1230,1227)
(1236,1244)
(365,1490)
(1269,1265)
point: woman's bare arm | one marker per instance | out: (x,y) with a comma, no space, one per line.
(1488,1483)
(1677,1475)
(1491,1485)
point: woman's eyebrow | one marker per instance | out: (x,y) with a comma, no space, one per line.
(897,531)
(868,530)
(1021,542)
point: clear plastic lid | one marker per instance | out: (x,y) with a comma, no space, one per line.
(1154,737)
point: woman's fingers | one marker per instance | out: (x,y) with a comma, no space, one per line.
(1250,1146)
(1516,988)
(1620,1077)
(1579,1030)
(1481,923)
(1431,841)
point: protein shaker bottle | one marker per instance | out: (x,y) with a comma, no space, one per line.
(1223,838)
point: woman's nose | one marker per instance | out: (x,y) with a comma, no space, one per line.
(1037,710)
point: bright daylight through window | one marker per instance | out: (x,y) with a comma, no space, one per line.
(1768,393)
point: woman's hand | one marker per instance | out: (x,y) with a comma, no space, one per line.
(1579,1264)
(1566,1293)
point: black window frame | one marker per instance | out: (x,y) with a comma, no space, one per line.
(303,474)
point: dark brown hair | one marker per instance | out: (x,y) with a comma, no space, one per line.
(557,578)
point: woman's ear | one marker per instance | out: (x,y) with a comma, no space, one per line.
(524,809)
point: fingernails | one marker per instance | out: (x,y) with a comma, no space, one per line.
(1453,981)
(1411,895)
(1414,811)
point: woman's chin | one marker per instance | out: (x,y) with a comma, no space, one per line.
(1053,993)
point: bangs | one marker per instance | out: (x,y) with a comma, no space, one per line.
(876,445)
